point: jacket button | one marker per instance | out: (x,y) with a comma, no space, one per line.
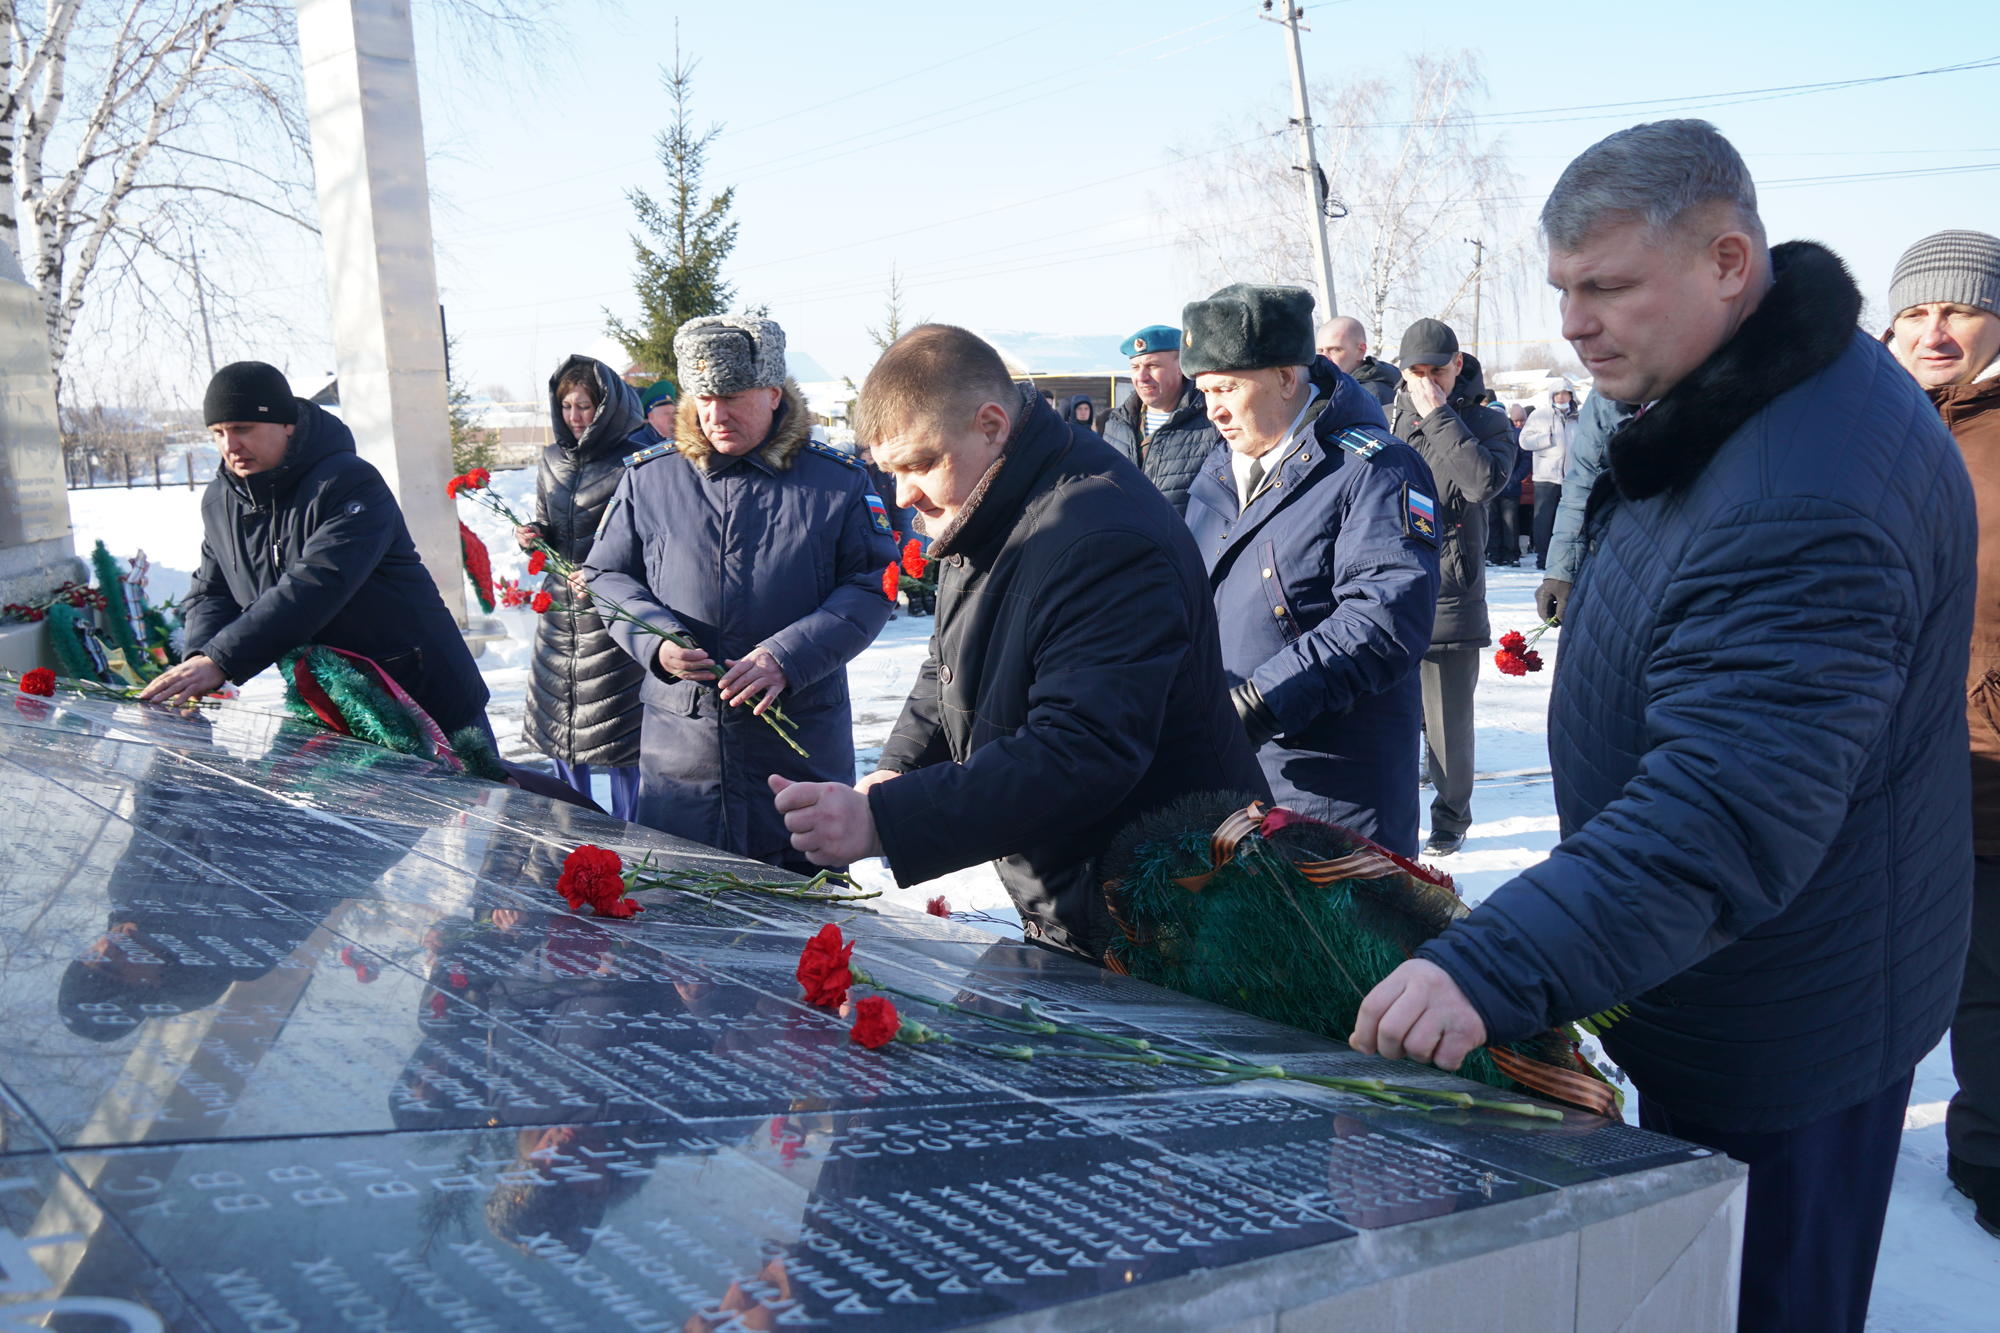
(1267,573)
(944,674)
(1278,611)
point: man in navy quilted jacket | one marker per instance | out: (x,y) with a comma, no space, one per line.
(1758,727)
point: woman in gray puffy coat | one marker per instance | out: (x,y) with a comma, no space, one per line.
(583,696)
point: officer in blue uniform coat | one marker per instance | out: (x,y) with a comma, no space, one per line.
(767,551)
(1319,530)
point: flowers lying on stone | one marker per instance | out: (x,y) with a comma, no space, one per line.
(938,906)
(876,1022)
(827,972)
(1517,655)
(823,969)
(40,681)
(595,876)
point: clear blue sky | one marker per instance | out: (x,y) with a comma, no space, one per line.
(989,152)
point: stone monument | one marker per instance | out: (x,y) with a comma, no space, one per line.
(35,544)
(297,1035)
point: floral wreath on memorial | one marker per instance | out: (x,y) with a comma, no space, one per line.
(351,694)
(1295,920)
(95,632)
(826,971)
(478,564)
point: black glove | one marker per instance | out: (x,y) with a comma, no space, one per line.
(1550,599)
(1255,715)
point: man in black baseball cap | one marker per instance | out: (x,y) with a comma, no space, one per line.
(1470,450)
(303,543)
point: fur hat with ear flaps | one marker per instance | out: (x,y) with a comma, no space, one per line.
(719,355)
(1245,327)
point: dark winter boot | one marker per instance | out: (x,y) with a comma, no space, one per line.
(1981,1184)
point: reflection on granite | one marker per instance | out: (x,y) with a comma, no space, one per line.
(297,1030)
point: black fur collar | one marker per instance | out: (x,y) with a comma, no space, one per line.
(1804,323)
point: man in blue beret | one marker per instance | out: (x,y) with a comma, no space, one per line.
(1320,532)
(1163,423)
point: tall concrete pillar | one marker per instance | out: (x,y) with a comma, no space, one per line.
(375,219)
(35,545)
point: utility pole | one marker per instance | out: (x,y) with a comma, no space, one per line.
(201,304)
(1309,164)
(1478,273)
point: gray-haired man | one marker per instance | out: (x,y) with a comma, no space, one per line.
(1767,846)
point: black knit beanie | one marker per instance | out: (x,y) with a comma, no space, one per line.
(249,391)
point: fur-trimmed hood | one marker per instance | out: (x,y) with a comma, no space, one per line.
(791,428)
(1803,325)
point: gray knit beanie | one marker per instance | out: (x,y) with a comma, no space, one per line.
(1961,267)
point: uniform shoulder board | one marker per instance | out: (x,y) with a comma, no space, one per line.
(1359,442)
(828,451)
(649,453)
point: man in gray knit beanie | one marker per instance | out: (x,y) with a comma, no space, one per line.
(1945,299)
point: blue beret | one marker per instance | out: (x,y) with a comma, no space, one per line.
(1152,338)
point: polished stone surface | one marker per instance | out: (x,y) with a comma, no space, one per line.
(297,1034)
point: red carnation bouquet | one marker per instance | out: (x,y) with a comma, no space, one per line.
(1517,655)
(596,877)
(478,566)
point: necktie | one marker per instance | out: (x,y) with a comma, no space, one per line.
(1253,479)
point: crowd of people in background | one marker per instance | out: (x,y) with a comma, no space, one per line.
(1264,572)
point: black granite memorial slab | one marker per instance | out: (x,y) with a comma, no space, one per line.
(297,1033)
(65,1265)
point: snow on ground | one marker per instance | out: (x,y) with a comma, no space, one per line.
(1937,1270)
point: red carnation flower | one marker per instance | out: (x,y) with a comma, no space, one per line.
(454,486)
(542,602)
(938,906)
(1510,663)
(823,968)
(1514,641)
(439,1005)
(1532,660)
(595,876)
(914,563)
(876,1022)
(457,978)
(539,561)
(892,580)
(40,681)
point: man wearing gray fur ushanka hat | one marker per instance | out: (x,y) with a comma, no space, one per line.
(721,537)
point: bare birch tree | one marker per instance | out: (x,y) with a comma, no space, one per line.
(1410,178)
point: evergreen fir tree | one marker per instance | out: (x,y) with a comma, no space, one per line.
(679,259)
(471,445)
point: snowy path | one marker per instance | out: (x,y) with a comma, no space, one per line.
(1938,1271)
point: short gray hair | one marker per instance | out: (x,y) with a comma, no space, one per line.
(1659,173)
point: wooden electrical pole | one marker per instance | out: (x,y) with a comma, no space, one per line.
(1309,156)
(1478,274)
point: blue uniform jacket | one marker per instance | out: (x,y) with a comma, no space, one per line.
(1759,737)
(1325,588)
(782,548)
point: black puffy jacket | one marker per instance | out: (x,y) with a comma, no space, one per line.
(1075,683)
(316,551)
(1470,450)
(1173,454)
(1379,378)
(583,698)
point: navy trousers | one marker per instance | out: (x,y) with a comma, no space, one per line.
(1814,1224)
(624,786)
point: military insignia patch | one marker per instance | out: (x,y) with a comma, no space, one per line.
(649,453)
(1359,443)
(1420,514)
(878,513)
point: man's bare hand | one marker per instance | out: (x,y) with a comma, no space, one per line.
(1424,393)
(756,677)
(685,663)
(829,822)
(190,680)
(1419,1013)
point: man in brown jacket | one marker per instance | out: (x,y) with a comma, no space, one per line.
(1946,295)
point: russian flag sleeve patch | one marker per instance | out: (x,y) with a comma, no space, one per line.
(1420,517)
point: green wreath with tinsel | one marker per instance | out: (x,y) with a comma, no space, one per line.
(370,713)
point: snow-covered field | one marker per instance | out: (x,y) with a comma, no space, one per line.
(1937,1270)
